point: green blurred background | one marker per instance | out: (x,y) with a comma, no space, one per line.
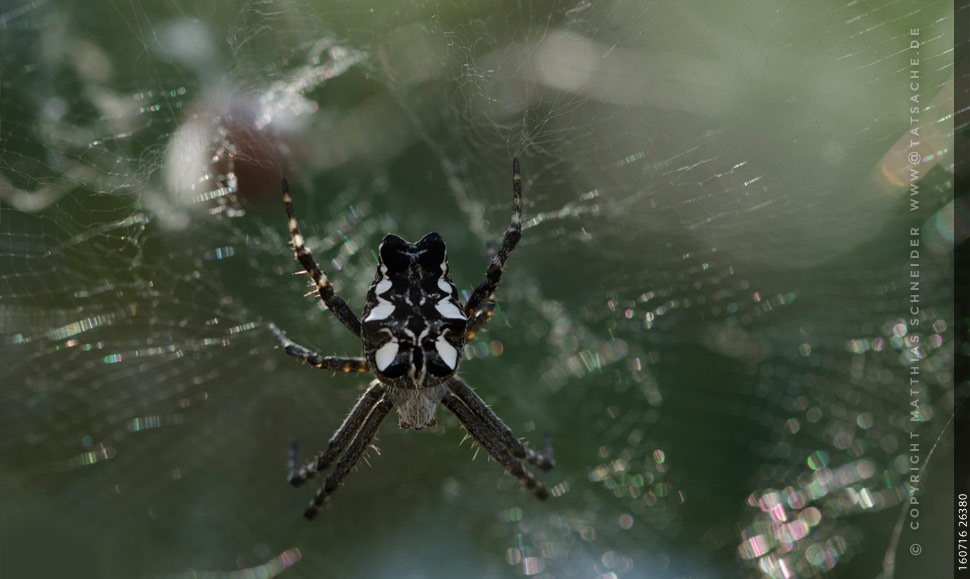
(708,310)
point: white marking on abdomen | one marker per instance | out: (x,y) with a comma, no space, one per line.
(448,309)
(385,355)
(421,336)
(383,285)
(383,310)
(448,353)
(442,284)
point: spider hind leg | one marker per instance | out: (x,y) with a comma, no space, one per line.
(484,314)
(333,302)
(493,275)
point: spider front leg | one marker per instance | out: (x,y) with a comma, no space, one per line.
(493,446)
(331,363)
(357,448)
(494,273)
(340,439)
(498,429)
(333,302)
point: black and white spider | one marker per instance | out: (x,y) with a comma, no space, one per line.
(413,331)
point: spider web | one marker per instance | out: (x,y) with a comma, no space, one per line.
(709,309)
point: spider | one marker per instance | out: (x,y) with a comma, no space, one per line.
(413,330)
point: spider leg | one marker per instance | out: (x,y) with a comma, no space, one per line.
(498,429)
(357,448)
(493,275)
(482,316)
(493,446)
(333,302)
(340,439)
(479,319)
(331,363)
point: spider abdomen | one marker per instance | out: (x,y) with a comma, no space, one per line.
(413,327)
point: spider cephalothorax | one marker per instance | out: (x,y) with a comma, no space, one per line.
(413,328)
(413,331)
